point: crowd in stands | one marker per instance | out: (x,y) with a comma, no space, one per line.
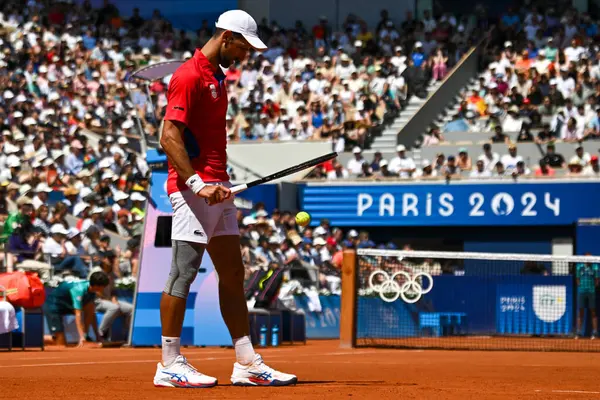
(540,85)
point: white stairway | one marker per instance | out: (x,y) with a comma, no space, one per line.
(389,137)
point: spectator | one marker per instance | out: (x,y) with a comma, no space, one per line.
(338,172)
(488,157)
(510,160)
(544,169)
(571,132)
(366,171)
(521,170)
(480,170)
(402,165)
(434,137)
(440,61)
(464,161)
(426,170)
(499,136)
(384,171)
(500,170)
(545,135)
(54,248)
(581,157)
(24,213)
(593,169)
(553,159)
(355,165)
(377,160)
(451,168)
(574,166)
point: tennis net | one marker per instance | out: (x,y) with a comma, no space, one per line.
(479,301)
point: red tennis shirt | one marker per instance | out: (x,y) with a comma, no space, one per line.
(197,97)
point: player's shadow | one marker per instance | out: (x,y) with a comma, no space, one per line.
(351,383)
(343,383)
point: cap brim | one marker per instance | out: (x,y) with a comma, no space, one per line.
(255,42)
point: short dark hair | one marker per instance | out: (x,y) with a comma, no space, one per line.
(219,31)
(99,278)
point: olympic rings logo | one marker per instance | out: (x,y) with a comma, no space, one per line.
(411,290)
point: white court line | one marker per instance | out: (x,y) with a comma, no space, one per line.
(116,355)
(569,391)
(64,364)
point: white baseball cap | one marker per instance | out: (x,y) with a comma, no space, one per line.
(136,196)
(58,229)
(241,22)
(42,187)
(119,195)
(72,232)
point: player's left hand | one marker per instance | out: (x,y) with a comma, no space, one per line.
(219,194)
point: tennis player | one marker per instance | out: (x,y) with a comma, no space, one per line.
(204,216)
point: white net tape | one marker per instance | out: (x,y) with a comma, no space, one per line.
(477,256)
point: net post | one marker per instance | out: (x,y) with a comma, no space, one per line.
(348,301)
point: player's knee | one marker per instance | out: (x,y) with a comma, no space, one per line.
(184,268)
(112,307)
(232,276)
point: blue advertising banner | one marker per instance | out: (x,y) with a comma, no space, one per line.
(534,309)
(509,304)
(456,204)
(324,324)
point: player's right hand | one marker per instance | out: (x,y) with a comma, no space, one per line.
(214,194)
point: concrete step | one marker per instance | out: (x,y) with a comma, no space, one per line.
(390,141)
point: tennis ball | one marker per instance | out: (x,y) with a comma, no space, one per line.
(303,218)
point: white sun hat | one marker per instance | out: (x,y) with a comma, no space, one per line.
(241,22)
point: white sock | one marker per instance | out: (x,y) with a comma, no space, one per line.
(170,349)
(244,352)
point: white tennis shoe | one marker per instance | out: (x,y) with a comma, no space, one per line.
(180,374)
(260,374)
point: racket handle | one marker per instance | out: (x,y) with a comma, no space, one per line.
(238,188)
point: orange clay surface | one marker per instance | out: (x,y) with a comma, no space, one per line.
(325,371)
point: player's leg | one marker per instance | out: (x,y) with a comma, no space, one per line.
(226,256)
(592,308)
(224,250)
(175,371)
(189,242)
(581,311)
(111,312)
(56,326)
(89,315)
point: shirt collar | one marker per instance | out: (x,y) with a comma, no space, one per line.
(202,61)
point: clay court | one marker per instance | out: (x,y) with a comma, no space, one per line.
(324,370)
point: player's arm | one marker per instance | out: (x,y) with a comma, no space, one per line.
(173,145)
(183,93)
(79,325)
